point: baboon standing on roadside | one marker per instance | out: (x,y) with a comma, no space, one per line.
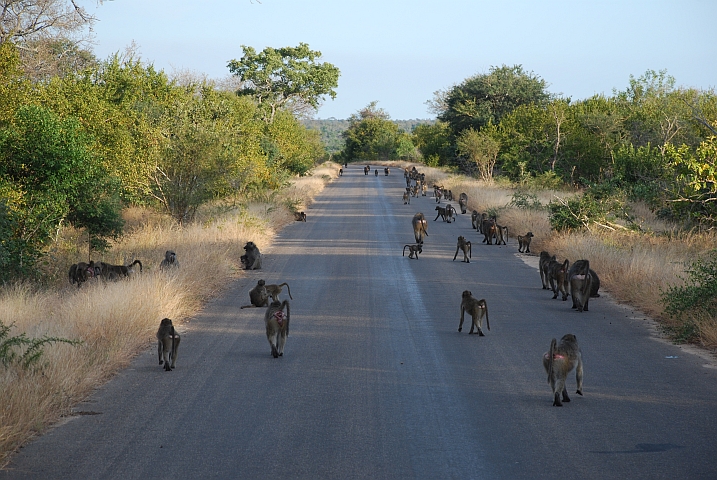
(277,326)
(167,344)
(477,309)
(559,361)
(420,227)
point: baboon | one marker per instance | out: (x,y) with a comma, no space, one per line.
(501,234)
(414,191)
(413,250)
(406,198)
(441,213)
(450,213)
(476,309)
(376,172)
(366,169)
(559,361)
(299,216)
(424,189)
(341,172)
(420,227)
(405,172)
(558,278)
(543,263)
(170,260)
(252,258)
(449,196)
(275,290)
(595,286)
(167,344)
(386,171)
(464,245)
(277,326)
(438,194)
(258,296)
(489,230)
(474,220)
(463,202)
(346,164)
(81,272)
(483,218)
(114,272)
(524,242)
(580,284)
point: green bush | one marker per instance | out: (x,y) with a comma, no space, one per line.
(525,200)
(575,213)
(22,350)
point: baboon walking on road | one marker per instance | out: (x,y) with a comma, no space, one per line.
(477,309)
(420,227)
(277,326)
(559,361)
(167,344)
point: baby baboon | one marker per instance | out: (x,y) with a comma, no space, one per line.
(299,216)
(463,202)
(114,272)
(476,309)
(464,245)
(170,260)
(559,361)
(252,258)
(420,227)
(167,344)
(558,278)
(406,198)
(258,296)
(543,263)
(524,242)
(413,250)
(275,290)
(341,171)
(277,326)
(81,272)
(580,284)
(501,234)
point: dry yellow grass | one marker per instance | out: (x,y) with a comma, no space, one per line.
(115,320)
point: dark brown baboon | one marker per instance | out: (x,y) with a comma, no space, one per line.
(474,219)
(463,202)
(376,172)
(405,172)
(167,344)
(386,171)
(483,218)
(543,262)
(413,250)
(274,291)
(501,234)
(277,326)
(252,259)
(81,272)
(258,296)
(406,198)
(170,260)
(299,216)
(464,245)
(366,169)
(595,286)
(524,242)
(489,230)
(341,171)
(115,272)
(441,213)
(558,278)
(420,227)
(559,361)
(580,284)
(477,309)
(448,196)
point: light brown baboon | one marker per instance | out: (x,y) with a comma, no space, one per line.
(477,309)
(559,361)
(438,194)
(275,290)
(414,191)
(81,272)
(252,259)
(167,344)
(170,260)
(558,278)
(543,263)
(450,213)
(489,230)
(580,284)
(501,234)
(299,216)
(420,227)
(258,296)
(464,245)
(114,272)
(463,202)
(406,198)
(277,326)
(413,250)
(524,242)
(424,189)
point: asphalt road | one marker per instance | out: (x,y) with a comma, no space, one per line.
(376,381)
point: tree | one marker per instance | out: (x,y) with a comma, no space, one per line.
(481,148)
(287,77)
(434,143)
(25,20)
(487,98)
(371,135)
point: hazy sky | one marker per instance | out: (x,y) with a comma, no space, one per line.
(399,52)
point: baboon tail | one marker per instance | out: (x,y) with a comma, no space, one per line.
(288,315)
(137,262)
(404,250)
(287,289)
(551,354)
(470,250)
(487,322)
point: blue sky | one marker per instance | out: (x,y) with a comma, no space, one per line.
(399,52)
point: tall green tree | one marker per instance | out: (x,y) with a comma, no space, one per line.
(371,135)
(285,78)
(481,148)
